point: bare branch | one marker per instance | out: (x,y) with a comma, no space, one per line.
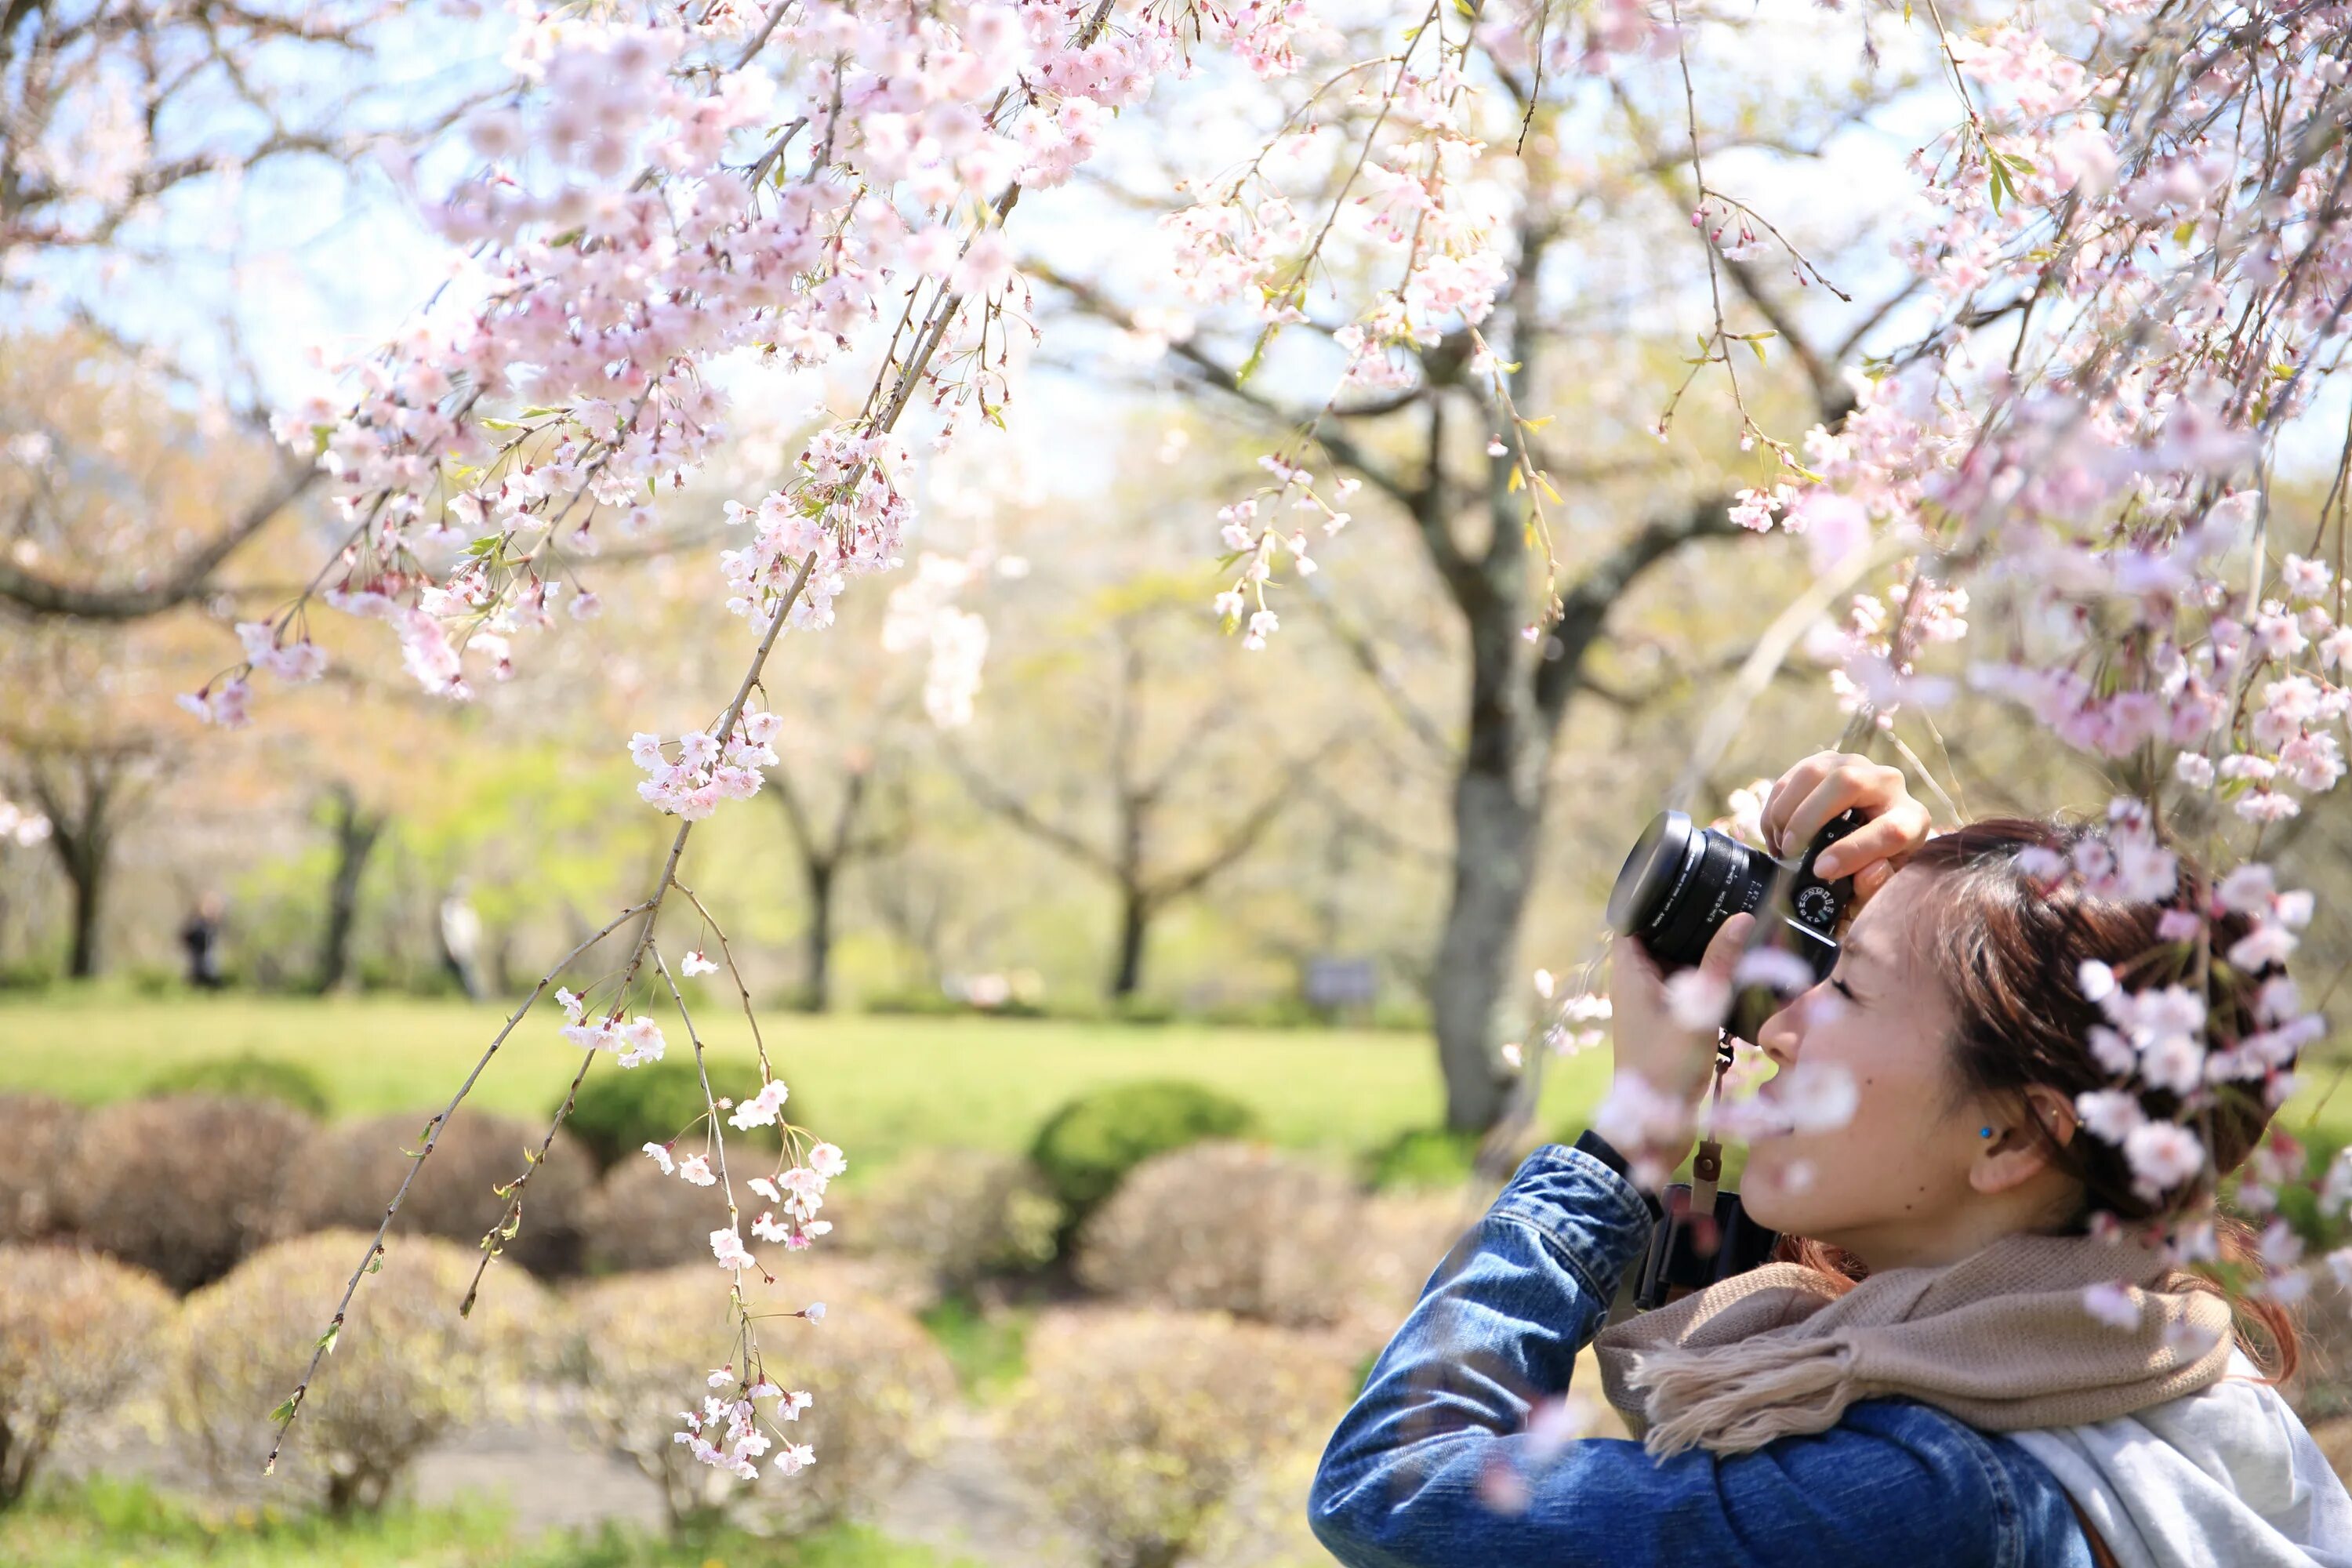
(189,578)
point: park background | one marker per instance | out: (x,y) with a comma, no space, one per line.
(1119,992)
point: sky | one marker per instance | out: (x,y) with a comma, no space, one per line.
(308,264)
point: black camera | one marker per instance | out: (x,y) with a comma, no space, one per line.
(1674,893)
(1683,881)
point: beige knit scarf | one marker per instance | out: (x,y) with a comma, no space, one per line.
(2000,1340)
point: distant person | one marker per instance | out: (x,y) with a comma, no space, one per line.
(201,936)
(461,941)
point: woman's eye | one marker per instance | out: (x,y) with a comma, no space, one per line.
(1843,989)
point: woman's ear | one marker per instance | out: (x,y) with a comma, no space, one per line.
(2023,1134)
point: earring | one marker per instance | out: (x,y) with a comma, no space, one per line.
(1984,1132)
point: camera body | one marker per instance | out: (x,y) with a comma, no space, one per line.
(1676,887)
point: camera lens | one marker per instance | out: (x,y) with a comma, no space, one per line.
(1681,883)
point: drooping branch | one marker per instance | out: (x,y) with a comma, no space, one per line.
(188,578)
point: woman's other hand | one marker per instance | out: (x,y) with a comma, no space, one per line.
(1665,1029)
(1827,783)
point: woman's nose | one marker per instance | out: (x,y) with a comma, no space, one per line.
(1782,1032)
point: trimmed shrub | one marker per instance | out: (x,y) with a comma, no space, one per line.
(1088,1146)
(182,1185)
(349,1171)
(1137,1427)
(619,1112)
(1421,1157)
(1229,1227)
(641,1345)
(247,1077)
(405,1371)
(960,1215)
(76,1332)
(638,1220)
(37,1140)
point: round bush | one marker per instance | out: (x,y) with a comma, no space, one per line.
(247,1077)
(960,1215)
(36,1139)
(405,1371)
(75,1335)
(1086,1147)
(350,1170)
(638,1220)
(1229,1227)
(1137,1427)
(182,1185)
(642,1346)
(621,1111)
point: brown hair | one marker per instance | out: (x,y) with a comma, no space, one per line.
(2008,951)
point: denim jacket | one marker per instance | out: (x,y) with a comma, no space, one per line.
(1406,1480)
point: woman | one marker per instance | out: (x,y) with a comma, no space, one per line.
(1960,1405)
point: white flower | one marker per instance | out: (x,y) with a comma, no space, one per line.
(695,1170)
(2095,980)
(2113,1303)
(640,1042)
(1816,1097)
(2162,1155)
(727,1246)
(760,1110)
(660,1152)
(1698,1000)
(2109,1113)
(1632,1114)
(1782,971)
(814,1312)
(695,963)
(827,1161)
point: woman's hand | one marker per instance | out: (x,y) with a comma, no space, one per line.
(1808,795)
(1665,1028)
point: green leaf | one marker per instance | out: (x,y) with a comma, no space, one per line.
(327,1340)
(284,1413)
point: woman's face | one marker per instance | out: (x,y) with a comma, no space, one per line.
(1897,1173)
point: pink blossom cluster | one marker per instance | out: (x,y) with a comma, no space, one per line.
(708,770)
(657,197)
(633,1044)
(727,1433)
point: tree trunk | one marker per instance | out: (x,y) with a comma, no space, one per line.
(818,995)
(1498,813)
(356,833)
(1134,926)
(87,882)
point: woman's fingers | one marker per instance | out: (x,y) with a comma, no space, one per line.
(1789,791)
(1722,951)
(1880,844)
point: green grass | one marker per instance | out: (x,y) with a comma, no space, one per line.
(875,1085)
(989,1350)
(105,1523)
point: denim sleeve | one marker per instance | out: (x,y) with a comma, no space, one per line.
(1409,1480)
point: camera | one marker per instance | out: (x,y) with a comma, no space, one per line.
(1677,888)
(1683,881)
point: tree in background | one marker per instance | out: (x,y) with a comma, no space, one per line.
(1139,794)
(1519,451)
(129,133)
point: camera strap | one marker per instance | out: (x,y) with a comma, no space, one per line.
(1707,1165)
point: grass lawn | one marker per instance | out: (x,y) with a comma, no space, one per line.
(119,1524)
(876,1085)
